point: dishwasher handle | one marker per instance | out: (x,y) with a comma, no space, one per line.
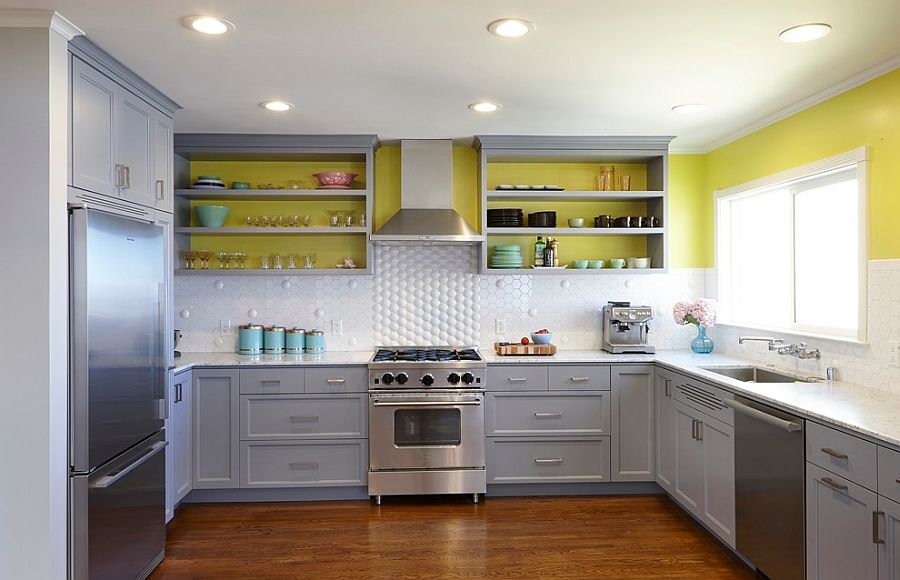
(789,426)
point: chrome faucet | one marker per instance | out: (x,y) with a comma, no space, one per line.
(774,343)
(798,350)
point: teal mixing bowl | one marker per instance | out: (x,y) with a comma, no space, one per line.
(211,216)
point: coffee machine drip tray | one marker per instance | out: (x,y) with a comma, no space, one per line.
(625,328)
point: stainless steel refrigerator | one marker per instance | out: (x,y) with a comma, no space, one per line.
(116,396)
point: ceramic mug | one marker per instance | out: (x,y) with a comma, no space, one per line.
(616,263)
(603,221)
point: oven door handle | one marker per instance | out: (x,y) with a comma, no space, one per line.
(425,403)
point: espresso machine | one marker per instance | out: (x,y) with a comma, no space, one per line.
(625,328)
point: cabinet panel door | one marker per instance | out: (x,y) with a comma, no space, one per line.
(135,120)
(216,429)
(633,440)
(665,432)
(889,551)
(718,462)
(93,130)
(838,528)
(543,414)
(163,162)
(182,421)
(561,460)
(688,488)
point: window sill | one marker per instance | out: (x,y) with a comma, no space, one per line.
(829,337)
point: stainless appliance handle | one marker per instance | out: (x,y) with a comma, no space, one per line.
(877,537)
(108,480)
(833,484)
(835,454)
(549,460)
(425,403)
(158,340)
(555,415)
(763,416)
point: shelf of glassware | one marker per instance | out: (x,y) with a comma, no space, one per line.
(260,231)
(281,272)
(570,195)
(592,231)
(225,195)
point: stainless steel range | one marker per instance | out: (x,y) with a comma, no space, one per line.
(426,421)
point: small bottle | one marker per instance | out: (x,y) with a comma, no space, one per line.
(549,258)
(539,246)
(554,244)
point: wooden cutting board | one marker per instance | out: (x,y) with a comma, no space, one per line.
(516,349)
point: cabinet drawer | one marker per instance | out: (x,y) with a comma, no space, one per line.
(567,414)
(579,378)
(272,381)
(312,464)
(529,460)
(843,454)
(336,380)
(889,473)
(302,416)
(516,378)
(703,397)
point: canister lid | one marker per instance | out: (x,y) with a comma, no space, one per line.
(296,330)
(251,327)
(315,332)
(275,329)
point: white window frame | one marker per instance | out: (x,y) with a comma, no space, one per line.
(858,158)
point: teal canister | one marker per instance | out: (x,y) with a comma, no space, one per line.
(250,339)
(315,342)
(294,340)
(273,340)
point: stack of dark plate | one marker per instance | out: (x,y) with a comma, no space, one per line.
(505,218)
(542,219)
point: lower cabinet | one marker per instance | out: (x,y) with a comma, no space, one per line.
(533,460)
(665,431)
(633,430)
(308,464)
(179,436)
(216,429)
(888,536)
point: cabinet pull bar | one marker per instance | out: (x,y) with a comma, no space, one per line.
(127,177)
(303,418)
(833,484)
(668,387)
(897,480)
(160,189)
(835,454)
(877,516)
(300,465)
(699,430)
(555,415)
(548,460)
(693,428)
(579,379)
(271,381)
(516,379)
(120,181)
(336,381)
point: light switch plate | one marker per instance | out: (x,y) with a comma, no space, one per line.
(499,326)
(337,326)
(224,327)
(894,353)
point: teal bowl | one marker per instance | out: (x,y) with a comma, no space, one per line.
(579,264)
(595,264)
(240,185)
(211,216)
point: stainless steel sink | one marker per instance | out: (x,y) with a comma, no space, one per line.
(751,374)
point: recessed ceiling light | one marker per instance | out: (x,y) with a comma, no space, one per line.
(208,24)
(805,32)
(689,108)
(484,107)
(510,27)
(278,106)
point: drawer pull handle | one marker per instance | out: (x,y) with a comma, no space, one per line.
(877,522)
(304,418)
(336,381)
(668,387)
(548,460)
(897,480)
(556,415)
(516,379)
(271,381)
(833,484)
(302,465)
(835,454)
(579,379)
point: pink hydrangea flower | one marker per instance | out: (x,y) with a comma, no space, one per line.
(701,312)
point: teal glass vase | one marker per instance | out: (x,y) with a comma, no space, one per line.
(702,344)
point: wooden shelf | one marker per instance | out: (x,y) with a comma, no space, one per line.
(571,195)
(249,231)
(525,231)
(283,272)
(274,194)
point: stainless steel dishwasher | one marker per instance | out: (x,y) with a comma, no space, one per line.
(769,485)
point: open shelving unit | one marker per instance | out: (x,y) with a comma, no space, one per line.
(276,159)
(574,164)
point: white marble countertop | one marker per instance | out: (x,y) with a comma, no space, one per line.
(864,410)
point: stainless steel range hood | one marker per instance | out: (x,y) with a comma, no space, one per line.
(426,198)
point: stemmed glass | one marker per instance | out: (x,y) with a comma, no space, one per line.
(222,257)
(309,261)
(203,256)
(240,258)
(186,258)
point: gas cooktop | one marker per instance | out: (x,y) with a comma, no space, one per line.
(414,354)
(410,367)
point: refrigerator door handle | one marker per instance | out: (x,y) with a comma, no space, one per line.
(78,348)
(109,480)
(158,362)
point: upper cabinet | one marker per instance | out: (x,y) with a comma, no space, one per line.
(121,137)
(544,182)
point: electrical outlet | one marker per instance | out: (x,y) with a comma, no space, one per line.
(337,326)
(499,326)
(224,327)
(894,353)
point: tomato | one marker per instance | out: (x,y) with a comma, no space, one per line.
(525,340)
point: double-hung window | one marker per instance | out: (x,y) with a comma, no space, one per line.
(791,250)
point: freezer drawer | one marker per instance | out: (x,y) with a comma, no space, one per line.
(117,515)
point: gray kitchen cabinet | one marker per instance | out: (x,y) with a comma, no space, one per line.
(93,155)
(579,378)
(549,413)
(216,429)
(665,431)
(888,534)
(839,528)
(633,429)
(179,434)
(163,163)
(506,377)
(688,484)
(304,464)
(534,460)
(337,379)
(336,416)
(135,120)
(273,381)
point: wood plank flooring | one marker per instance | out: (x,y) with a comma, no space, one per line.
(445,537)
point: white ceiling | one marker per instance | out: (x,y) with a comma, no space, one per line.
(408,68)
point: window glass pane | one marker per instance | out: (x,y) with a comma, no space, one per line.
(827,254)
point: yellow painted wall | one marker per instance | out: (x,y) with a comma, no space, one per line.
(689,232)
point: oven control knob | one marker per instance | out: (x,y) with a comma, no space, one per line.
(427,380)
(468,378)
(453,379)
(402,378)
(387,378)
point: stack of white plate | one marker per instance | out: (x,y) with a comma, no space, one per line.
(208,182)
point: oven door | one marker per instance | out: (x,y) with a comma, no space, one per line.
(426,430)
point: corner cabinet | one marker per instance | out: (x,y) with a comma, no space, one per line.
(633,428)
(216,456)
(531,165)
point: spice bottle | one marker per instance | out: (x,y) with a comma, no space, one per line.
(539,246)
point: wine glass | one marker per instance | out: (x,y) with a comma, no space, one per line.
(304,221)
(241,257)
(185,256)
(222,257)
(203,256)
(309,261)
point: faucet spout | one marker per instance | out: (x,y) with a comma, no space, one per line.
(774,343)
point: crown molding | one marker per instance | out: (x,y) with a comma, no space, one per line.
(856,80)
(39,19)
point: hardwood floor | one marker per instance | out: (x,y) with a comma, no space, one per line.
(445,537)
